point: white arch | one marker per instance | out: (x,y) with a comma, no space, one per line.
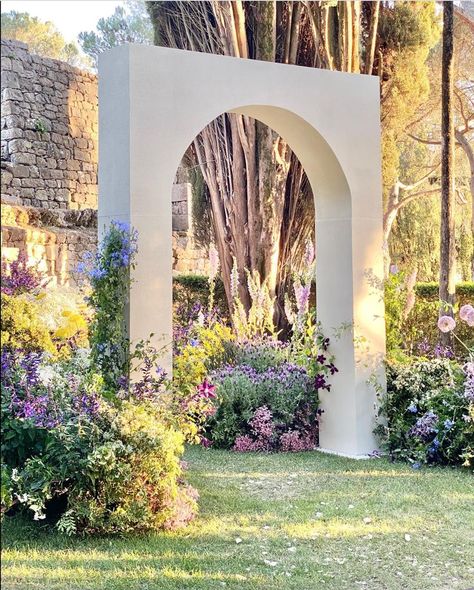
(154,101)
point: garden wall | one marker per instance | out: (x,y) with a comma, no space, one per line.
(49,156)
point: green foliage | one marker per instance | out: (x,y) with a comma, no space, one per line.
(415,389)
(407,32)
(6,488)
(42,37)
(411,316)
(22,324)
(408,27)
(430,291)
(205,350)
(110,283)
(189,290)
(128,24)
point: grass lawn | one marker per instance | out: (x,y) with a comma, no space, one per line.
(289,521)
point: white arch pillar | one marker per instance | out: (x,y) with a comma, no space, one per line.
(153,102)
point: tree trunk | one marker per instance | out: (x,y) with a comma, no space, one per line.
(372,39)
(447,254)
(469,151)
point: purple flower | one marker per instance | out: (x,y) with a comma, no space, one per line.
(19,277)
(321,383)
(424,426)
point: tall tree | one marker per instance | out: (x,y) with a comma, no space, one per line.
(42,37)
(260,200)
(128,24)
(447,277)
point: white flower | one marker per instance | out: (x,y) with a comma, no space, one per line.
(46,374)
(465,311)
(446,324)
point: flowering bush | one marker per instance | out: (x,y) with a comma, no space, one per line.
(284,389)
(83,440)
(18,277)
(37,318)
(117,467)
(109,275)
(427,415)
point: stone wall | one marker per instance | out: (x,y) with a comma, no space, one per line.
(54,241)
(49,154)
(49,131)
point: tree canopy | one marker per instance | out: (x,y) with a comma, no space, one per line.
(43,38)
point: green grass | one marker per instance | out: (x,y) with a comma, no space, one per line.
(287,521)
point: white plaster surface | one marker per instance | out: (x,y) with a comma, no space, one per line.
(152,103)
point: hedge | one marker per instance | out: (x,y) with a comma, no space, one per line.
(430,291)
(191,289)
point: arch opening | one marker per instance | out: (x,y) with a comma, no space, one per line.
(147,118)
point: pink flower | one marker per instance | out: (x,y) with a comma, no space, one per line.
(207,390)
(470,318)
(213,262)
(465,311)
(293,442)
(446,324)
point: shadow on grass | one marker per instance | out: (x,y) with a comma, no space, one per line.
(266,522)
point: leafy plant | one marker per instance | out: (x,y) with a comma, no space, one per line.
(427,415)
(109,276)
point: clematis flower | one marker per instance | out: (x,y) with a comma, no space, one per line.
(446,324)
(207,390)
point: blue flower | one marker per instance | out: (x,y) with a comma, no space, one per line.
(412,408)
(81,268)
(416,465)
(448,424)
(98,273)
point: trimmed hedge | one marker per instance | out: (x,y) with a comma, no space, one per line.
(421,323)
(191,289)
(429,291)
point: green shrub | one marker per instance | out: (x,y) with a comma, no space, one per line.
(192,290)
(23,326)
(411,318)
(264,379)
(427,415)
(115,465)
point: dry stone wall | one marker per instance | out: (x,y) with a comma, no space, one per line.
(49,129)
